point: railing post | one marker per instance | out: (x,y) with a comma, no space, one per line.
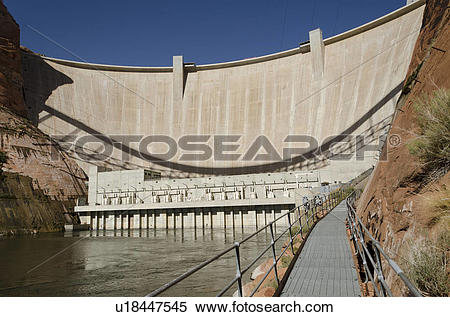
(307,217)
(274,253)
(300,221)
(379,269)
(331,201)
(363,256)
(290,233)
(238,269)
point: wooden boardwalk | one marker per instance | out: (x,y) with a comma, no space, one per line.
(325,266)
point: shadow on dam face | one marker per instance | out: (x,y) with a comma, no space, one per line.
(35,98)
(308,158)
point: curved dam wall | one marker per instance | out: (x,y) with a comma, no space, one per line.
(347,84)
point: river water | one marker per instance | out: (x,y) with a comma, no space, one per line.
(121,263)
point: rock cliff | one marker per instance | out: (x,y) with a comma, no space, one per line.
(394,205)
(11,81)
(38,179)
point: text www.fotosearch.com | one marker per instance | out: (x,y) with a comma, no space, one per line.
(235,307)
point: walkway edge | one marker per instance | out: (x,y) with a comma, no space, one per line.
(297,254)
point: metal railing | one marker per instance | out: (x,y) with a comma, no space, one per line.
(371,256)
(305,216)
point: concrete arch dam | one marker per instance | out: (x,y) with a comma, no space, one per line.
(254,109)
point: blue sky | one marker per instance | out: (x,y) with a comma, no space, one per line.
(149,33)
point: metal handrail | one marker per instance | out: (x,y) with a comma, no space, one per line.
(359,233)
(306,213)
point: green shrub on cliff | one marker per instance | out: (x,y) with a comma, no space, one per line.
(432,146)
(427,264)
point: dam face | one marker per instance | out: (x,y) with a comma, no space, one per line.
(334,92)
